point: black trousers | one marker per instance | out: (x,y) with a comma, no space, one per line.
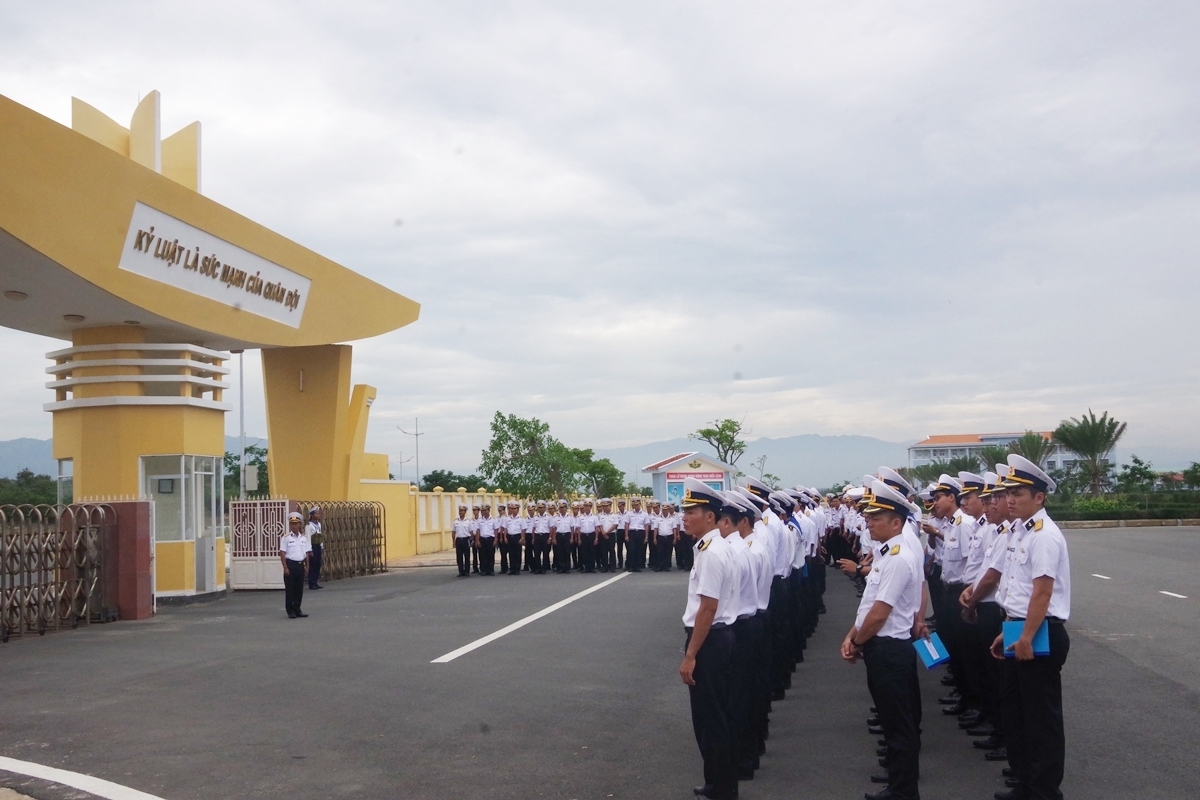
(293,586)
(487,555)
(762,667)
(710,708)
(532,556)
(462,553)
(620,534)
(683,551)
(503,548)
(665,543)
(314,565)
(474,556)
(562,552)
(954,633)
(587,552)
(605,552)
(541,553)
(892,680)
(636,560)
(985,629)
(1031,710)
(780,611)
(514,555)
(745,695)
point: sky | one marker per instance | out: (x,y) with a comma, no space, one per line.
(630,219)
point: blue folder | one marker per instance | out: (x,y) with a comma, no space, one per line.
(1041,639)
(931,651)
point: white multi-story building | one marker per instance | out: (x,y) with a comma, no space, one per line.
(944,447)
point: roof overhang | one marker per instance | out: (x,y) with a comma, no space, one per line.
(70,213)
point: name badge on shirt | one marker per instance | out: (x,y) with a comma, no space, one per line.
(1024,557)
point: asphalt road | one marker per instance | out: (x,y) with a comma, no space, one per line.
(232,699)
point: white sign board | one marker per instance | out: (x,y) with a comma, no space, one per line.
(167,250)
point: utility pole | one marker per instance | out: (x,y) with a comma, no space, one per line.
(241,354)
(416,434)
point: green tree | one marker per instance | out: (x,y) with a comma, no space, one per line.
(772,480)
(451,481)
(1033,446)
(992,455)
(723,436)
(1092,438)
(598,476)
(1136,477)
(523,458)
(28,489)
(256,458)
(962,464)
(1191,476)
(632,488)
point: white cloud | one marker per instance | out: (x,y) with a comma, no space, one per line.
(630,219)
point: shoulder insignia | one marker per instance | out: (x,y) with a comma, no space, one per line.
(895,550)
(1029,524)
(704,545)
(1037,526)
(958,518)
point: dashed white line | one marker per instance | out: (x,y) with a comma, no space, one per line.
(521,623)
(85,783)
(1103,577)
(1172,594)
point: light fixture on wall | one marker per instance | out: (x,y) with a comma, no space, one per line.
(74,317)
(13,294)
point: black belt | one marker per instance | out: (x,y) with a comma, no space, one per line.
(294,561)
(1051,620)
(744,617)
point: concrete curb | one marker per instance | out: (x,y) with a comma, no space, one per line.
(444,559)
(1087,524)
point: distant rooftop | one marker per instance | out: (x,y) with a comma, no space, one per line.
(975,438)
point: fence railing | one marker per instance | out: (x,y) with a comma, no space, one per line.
(57,565)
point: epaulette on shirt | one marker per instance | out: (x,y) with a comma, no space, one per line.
(895,550)
(958,518)
(704,545)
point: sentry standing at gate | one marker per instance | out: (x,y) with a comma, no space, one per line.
(317,539)
(294,552)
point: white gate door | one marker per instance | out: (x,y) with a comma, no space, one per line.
(257,527)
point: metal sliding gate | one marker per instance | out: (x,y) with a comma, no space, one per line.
(57,567)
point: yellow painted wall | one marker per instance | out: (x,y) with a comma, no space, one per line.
(175,566)
(307,392)
(401,519)
(375,467)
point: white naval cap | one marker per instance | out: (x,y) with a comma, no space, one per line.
(990,481)
(970,482)
(295,516)
(698,493)
(897,481)
(758,487)
(947,484)
(888,498)
(1023,472)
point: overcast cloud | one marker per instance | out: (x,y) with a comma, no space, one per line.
(628,219)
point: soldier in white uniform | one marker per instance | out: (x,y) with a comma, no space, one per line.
(606,537)
(485,537)
(747,632)
(475,539)
(541,539)
(294,553)
(708,622)
(637,522)
(1037,591)
(462,542)
(751,530)
(564,534)
(882,634)
(587,538)
(622,527)
(666,533)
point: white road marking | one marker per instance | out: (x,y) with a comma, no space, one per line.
(521,623)
(85,783)
(1098,575)
(1172,594)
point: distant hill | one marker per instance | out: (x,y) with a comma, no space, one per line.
(37,455)
(809,459)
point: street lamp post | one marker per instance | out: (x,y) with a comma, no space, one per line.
(416,434)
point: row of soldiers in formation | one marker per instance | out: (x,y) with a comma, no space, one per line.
(562,537)
(988,554)
(985,553)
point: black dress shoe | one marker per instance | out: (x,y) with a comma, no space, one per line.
(777,695)
(879,778)
(953,711)
(949,700)
(882,742)
(876,730)
(1007,772)
(874,721)
(947,680)
(881,751)
(291,615)
(873,710)
(301,614)
(883,763)
(968,718)
(982,730)
(882,794)
(708,791)
(991,743)
(1011,794)
(999,754)
(1012,783)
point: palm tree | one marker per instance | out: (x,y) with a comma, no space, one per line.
(1033,446)
(1091,438)
(992,455)
(962,464)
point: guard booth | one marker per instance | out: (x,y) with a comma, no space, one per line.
(667,476)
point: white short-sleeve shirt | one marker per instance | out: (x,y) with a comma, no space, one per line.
(709,577)
(895,578)
(746,596)
(294,546)
(462,528)
(1040,553)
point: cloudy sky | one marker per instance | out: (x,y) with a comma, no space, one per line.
(628,219)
